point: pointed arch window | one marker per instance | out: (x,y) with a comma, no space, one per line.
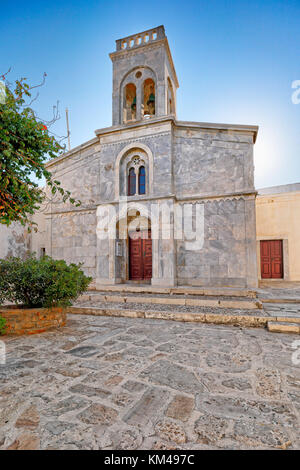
(131,182)
(142,180)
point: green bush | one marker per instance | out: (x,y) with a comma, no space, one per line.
(2,325)
(41,282)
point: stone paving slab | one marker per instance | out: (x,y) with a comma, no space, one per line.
(126,383)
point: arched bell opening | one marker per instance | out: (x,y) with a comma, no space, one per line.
(129,109)
(149,98)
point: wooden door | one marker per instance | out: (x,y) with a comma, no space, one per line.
(135,256)
(271,253)
(147,255)
(140,255)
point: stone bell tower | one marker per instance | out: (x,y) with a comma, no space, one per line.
(144,78)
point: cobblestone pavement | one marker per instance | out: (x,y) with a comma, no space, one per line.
(124,383)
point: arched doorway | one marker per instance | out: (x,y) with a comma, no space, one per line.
(135,232)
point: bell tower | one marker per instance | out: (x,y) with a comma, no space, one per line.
(144,78)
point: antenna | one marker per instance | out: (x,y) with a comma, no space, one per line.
(67,119)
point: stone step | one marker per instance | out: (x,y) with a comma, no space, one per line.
(227,318)
(241,303)
(216,318)
(284,327)
(280,300)
(182,290)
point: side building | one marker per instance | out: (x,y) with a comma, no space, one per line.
(278,233)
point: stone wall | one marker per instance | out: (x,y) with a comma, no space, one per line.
(21,321)
(74,239)
(80,175)
(14,240)
(216,168)
(223,259)
(212,163)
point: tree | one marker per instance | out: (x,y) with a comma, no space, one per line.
(25,146)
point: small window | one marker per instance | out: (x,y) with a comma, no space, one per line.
(42,252)
(131,182)
(142,180)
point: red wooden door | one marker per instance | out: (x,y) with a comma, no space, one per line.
(147,255)
(140,255)
(135,256)
(271,259)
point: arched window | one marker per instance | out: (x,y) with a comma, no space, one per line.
(149,97)
(129,102)
(131,182)
(142,180)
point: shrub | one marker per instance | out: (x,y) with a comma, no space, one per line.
(41,282)
(2,325)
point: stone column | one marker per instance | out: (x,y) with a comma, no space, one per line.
(251,254)
(138,103)
(106,246)
(163,249)
(160,99)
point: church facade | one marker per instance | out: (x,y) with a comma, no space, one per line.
(163,201)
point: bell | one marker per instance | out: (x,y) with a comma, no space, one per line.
(133,106)
(151,99)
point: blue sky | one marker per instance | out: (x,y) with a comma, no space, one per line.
(235,61)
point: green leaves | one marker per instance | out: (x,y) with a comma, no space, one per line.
(2,325)
(25,146)
(41,282)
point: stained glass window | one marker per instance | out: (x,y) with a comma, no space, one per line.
(131,182)
(142,180)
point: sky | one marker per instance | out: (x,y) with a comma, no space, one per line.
(235,61)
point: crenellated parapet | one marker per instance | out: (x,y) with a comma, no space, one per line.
(140,39)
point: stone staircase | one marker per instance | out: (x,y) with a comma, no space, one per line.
(230,306)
